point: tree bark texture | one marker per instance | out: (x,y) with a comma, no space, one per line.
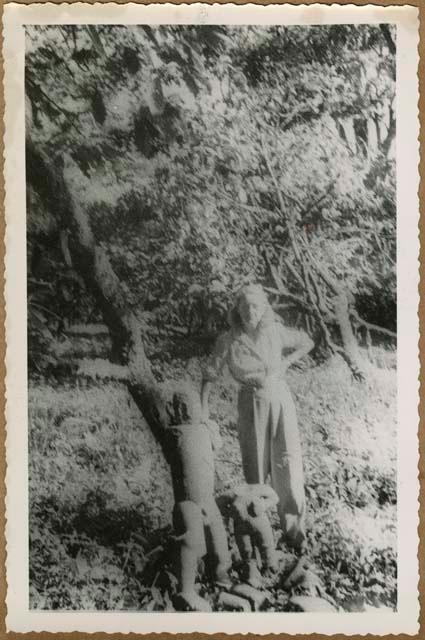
(92,263)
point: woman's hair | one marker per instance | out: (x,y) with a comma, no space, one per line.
(249,290)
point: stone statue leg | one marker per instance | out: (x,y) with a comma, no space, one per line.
(217,544)
(264,541)
(250,571)
(253,531)
(188,524)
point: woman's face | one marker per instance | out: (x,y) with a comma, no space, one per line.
(251,309)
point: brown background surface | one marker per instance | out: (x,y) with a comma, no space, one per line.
(421,311)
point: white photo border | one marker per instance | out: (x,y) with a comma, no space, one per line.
(19,617)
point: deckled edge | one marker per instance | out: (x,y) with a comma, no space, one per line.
(421,315)
(421,318)
(302,4)
(3,443)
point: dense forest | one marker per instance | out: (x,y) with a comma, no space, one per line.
(166,167)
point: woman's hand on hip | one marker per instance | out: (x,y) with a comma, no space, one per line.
(256,379)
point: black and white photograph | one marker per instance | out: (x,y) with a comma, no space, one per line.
(212,303)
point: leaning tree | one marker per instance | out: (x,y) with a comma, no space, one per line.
(112,111)
(215,156)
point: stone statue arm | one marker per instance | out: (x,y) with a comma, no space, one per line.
(205,394)
(268,495)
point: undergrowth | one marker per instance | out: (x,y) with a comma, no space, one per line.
(101,498)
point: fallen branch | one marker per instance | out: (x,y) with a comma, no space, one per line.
(290,296)
(319,199)
(326,277)
(372,327)
(294,272)
(281,290)
(241,205)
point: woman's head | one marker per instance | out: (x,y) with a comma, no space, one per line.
(251,306)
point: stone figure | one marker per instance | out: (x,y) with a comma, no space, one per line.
(198,524)
(247,506)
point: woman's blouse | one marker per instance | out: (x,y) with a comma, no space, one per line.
(259,356)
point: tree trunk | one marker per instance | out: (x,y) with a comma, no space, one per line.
(350,347)
(388,38)
(93,265)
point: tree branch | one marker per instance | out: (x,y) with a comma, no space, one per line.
(289,223)
(241,205)
(326,277)
(319,199)
(388,38)
(294,272)
(386,145)
(372,327)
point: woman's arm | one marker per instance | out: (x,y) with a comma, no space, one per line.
(301,344)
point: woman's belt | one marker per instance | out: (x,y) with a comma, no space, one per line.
(269,383)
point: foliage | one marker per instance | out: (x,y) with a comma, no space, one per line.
(101,496)
(170,128)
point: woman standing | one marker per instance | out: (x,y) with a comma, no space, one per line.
(267,422)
